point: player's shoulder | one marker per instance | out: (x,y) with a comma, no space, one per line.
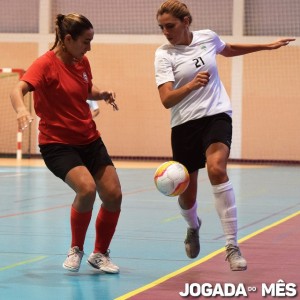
(163,50)
(49,55)
(164,47)
(45,59)
(205,36)
(205,33)
(42,64)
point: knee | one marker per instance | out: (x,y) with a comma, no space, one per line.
(85,196)
(87,191)
(116,197)
(112,198)
(217,174)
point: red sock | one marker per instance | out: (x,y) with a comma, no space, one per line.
(79,225)
(106,224)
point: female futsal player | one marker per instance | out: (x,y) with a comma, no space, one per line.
(70,144)
(189,84)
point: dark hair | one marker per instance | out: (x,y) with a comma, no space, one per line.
(175,8)
(73,24)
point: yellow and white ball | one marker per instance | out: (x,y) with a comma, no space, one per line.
(171,178)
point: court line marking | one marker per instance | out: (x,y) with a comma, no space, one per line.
(64,205)
(251,235)
(25,262)
(262,219)
(119,163)
(34,211)
(202,260)
(12,175)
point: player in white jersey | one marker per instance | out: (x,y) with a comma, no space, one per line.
(189,85)
(180,63)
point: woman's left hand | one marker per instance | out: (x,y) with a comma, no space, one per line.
(279,43)
(110,98)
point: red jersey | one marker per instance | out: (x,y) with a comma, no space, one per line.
(60,94)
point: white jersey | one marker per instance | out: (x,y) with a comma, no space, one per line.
(181,63)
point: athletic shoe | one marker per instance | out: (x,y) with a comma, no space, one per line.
(102,262)
(73,260)
(192,244)
(235,258)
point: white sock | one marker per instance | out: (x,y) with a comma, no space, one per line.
(226,208)
(190,216)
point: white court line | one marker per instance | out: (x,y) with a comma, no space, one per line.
(12,175)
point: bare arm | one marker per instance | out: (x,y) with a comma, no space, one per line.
(241,49)
(24,117)
(170,97)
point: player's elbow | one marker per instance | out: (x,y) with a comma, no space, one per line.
(167,104)
(227,51)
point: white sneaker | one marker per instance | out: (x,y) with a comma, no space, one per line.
(102,262)
(73,260)
(236,261)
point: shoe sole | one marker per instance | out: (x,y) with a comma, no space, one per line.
(239,269)
(70,269)
(189,255)
(95,267)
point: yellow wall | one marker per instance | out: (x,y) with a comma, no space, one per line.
(141,126)
(271,105)
(17,55)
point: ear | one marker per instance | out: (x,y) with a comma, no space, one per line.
(186,21)
(68,38)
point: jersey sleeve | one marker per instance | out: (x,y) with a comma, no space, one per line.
(163,68)
(219,44)
(35,74)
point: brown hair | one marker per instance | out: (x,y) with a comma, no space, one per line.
(175,8)
(73,24)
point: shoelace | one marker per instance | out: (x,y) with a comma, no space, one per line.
(231,251)
(74,252)
(191,235)
(107,255)
(104,258)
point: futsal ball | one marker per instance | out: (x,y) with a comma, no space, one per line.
(171,178)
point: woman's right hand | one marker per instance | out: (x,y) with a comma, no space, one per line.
(24,118)
(200,80)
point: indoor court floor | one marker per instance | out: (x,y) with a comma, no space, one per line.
(148,243)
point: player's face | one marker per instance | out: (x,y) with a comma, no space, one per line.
(174,29)
(82,44)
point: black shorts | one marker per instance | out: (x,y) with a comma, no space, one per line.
(61,158)
(191,139)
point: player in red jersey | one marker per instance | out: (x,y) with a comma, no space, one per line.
(70,144)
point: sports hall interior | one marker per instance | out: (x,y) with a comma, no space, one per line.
(264,88)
